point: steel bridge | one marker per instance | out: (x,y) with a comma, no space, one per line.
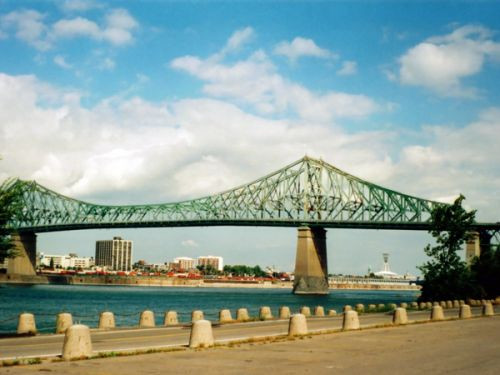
(308,193)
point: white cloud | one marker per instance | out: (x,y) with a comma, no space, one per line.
(61,61)
(348,68)
(301,47)
(76,27)
(239,38)
(78,5)
(454,161)
(440,63)
(189,243)
(164,151)
(129,150)
(117,29)
(256,81)
(107,64)
(28,26)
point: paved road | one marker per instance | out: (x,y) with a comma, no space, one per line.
(163,337)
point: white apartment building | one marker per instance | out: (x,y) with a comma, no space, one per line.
(116,254)
(216,262)
(185,263)
(66,261)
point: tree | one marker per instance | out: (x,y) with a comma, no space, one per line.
(10,204)
(446,276)
(485,272)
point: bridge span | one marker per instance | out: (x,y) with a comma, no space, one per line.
(309,194)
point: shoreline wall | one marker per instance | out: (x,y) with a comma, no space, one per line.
(158,281)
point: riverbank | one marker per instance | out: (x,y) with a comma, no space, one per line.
(457,346)
(161,281)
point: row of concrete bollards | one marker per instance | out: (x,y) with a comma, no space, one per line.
(26,322)
(77,341)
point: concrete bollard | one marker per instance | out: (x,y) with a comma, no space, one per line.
(106,320)
(351,320)
(284,312)
(483,302)
(265,313)
(372,307)
(242,315)
(197,315)
(403,305)
(360,308)
(319,311)
(488,309)
(26,324)
(461,302)
(380,306)
(347,308)
(435,303)
(201,334)
(437,313)
(297,325)
(429,305)
(422,306)
(464,312)
(449,304)
(147,319)
(392,306)
(332,312)
(77,343)
(63,322)
(400,316)
(456,304)
(414,305)
(170,318)
(442,304)
(306,311)
(497,301)
(225,316)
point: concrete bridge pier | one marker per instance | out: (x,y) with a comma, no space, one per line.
(25,246)
(477,244)
(311,269)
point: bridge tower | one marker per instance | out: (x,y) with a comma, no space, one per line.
(25,262)
(311,267)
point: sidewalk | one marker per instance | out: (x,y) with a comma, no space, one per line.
(457,347)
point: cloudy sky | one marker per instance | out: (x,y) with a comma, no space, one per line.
(126,102)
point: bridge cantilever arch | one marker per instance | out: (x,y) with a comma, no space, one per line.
(309,194)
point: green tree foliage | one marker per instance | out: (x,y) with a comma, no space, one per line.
(207,269)
(446,276)
(10,204)
(242,270)
(485,272)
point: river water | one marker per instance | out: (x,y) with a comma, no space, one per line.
(86,302)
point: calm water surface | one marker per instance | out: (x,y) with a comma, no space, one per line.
(86,302)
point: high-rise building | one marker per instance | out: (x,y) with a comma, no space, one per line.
(215,262)
(116,254)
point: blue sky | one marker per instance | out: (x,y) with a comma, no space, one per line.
(152,101)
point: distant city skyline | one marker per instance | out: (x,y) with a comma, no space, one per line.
(128,102)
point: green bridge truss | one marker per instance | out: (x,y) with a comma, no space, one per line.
(307,192)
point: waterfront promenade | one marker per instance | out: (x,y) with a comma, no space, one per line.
(458,346)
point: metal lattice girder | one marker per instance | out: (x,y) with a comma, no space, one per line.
(307,192)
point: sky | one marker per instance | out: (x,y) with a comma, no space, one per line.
(128,102)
